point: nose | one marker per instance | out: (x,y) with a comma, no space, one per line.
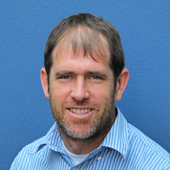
(79,91)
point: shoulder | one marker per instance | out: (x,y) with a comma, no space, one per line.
(150,151)
(34,155)
(26,155)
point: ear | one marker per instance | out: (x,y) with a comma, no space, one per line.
(44,82)
(121,83)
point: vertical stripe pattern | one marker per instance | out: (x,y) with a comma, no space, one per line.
(124,148)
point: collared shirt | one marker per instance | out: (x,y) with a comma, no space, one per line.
(124,148)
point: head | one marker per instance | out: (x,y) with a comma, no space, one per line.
(84,30)
(84,75)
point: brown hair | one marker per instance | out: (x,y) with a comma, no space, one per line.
(90,26)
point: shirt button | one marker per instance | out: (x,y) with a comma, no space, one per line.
(99,158)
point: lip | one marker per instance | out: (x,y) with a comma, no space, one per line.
(79,107)
(79,116)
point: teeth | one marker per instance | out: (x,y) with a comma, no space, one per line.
(80,111)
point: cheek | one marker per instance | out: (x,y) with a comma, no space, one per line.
(60,92)
(102,92)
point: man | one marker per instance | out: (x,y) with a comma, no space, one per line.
(84,75)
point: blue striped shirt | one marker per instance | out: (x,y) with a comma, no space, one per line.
(124,148)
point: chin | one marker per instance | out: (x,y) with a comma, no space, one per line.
(77,132)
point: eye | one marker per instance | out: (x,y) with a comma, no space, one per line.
(96,77)
(65,77)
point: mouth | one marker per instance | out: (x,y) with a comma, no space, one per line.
(80,111)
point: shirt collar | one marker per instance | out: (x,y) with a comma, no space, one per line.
(117,137)
(52,139)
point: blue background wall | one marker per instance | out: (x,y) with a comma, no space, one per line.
(24,28)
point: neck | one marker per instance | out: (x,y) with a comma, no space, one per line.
(81,147)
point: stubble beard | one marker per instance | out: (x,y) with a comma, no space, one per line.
(100,126)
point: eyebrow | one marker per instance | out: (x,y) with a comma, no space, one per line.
(97,73)
(58,74)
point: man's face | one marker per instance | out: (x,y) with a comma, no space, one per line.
(81,92)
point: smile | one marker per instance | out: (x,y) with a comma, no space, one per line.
(80,111)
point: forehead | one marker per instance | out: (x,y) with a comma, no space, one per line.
(66,61)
